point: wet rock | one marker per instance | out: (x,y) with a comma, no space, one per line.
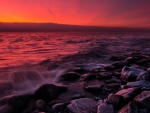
(83,105)
(59,107)
(78,95)
(115,86)
(131,59)
(111,81)
(94,88)
(142,83)
(142,62)
(40,105)
(117,74)
(143,100)
(54,102)
(120,64)
(78,70)
(130,108)
(117,58)
(6,109)
(18,102)
(109,68)
(129,93)
(105,109)
(143,111)
(49,91)
(104,75)
(88,76)
(144,76)
(70,76)
(130,74)
(117,100)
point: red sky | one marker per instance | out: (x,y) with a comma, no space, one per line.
(118,13)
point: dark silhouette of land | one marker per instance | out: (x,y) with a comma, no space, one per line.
(46,27)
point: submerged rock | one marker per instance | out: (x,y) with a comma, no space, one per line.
(70,76)
(88,76)
(83,105)
(94,88)
(129,93)
(130,108)
(49,91)
(59,107)
(78,95)
(120,64)
(130,74)
(142,83)
(104,75)
(143,100)
(105,109)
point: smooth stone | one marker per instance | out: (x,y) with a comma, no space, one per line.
(83,105)
(94,88)
(142,83)
(105,109)
(6,109)
(49,91)
(117,58)
(144,76)
(143,100)
(40,105)
(111,81)
(117,100)
(130,74)
(115,86)
(142,62)
(78,70)
(129,93)
(78,95)
(59,107)
(88,76)
(129,108)
(18,102)
(131,59)
(120,64)
(54,102)
(69,76)
(104,75)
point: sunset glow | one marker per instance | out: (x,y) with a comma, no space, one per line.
(120,13)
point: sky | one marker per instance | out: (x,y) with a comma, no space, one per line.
(108,13)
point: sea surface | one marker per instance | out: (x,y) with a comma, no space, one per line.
(46,55)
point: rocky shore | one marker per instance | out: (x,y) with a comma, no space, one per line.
(121,87)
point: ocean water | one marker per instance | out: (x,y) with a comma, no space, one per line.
(29,59)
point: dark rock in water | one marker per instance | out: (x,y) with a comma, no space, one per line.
(88,76)
(104,75)
(129,93)
(113,86)
(70,76)
(6,109)
(40,105)
(144,76)
(94,88)
(78,70)
(142,62)
(49,91)
(105,109)
(117,100)
(130,108)
(18,102)
(83,105)
(54,102)
(130,74)
(59,107)
(22,76)
(116,74)
(117,58)
(143,100)
(78,95)
(142,83)
(120,64)
(112,81)
(143,111)
(109,68)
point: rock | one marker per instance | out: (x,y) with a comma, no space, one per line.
(114,86)
(117,74)
(109,68)
(83,105)
(111,81)
(117,100)
(78,70)
(49,91)
(143,111)
(69,76)
(78,95)
(17,102)
(130,74)
(105,109)
(142,62)
(142,83)
(40,105)
(104,75)
(88,76)
(54,102)
(143,100)
(59,107)
(94,88)
(129,108)
(117,58)
(120,64)
(144,76)
(6,109)
(129,93)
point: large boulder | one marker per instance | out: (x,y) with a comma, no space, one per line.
(49,91)
(143,100)
(129,108)
(129,93)
(142,83)
(83,105)
(130,74)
